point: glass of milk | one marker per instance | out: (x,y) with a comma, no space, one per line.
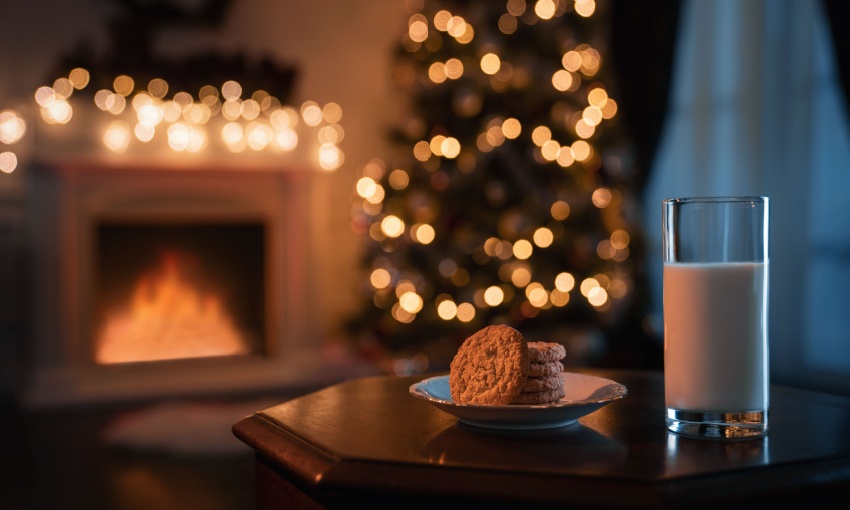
(716,374)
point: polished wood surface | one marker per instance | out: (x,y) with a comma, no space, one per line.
(368,440)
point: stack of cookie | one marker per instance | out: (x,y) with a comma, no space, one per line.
(543,384)
(496,366)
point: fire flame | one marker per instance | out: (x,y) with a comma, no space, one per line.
(167,317)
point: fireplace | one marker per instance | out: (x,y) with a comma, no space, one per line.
(153,281)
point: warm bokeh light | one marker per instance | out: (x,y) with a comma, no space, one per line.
(330,157)
(536,295)
(250,109)
(332,133)
(437,72)
(620,239)
(465,312)
(12,127)
(284,118)
(608,108)
(597,96)
(520,276)
(565,157)
(63,88)
(541,135)
(402,315)
(392,226)
(511,128)
(583,129)
(447,309)
(79,78)
(58,111)
(565,282)
(592,115)
(231,90)
(545,9)
(454,68)
(490,63)
(456,26)
(332,113)
(380,278)
(232,133)
(441,20)
(150,114)
(366,187)
(450,147)
(585,8)
(494,295)
(8,162)
(116,104)
(543,237)
(581,150)
(411,302)
(399,179)
(44,96)
(590,60)
(311,113)
(286,139)
(418,30)
(436,145)
(144,132)
(516,7)
(178,136)
(123,85)
(258,135)
(587,285)
(559,298)
(507,24)
(550,150)
(560,210)
(422,150)
(601,197)
(571,61)
(158,88)
(562,80)
(117,136)
(597,296)
(423,233)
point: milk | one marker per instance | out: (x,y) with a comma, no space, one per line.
(715,336)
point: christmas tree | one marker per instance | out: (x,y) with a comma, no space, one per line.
(511,198)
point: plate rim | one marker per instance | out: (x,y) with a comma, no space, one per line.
(415,390)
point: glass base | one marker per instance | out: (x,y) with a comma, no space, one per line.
(715,425)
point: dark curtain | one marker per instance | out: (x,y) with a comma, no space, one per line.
(643,41)
(836,13)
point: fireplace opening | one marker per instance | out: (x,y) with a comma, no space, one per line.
(168,291)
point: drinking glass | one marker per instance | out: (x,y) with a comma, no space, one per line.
(716,366)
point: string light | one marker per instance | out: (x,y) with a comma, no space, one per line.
(257,123)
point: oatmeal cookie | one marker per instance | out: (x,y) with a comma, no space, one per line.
(540,397)
(545,369)
(545,352)
(533,384)
(490,367)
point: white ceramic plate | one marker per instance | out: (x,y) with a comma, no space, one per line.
(584,394)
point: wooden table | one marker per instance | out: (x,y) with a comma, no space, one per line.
(369,442)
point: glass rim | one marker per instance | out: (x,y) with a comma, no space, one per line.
(717,199)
